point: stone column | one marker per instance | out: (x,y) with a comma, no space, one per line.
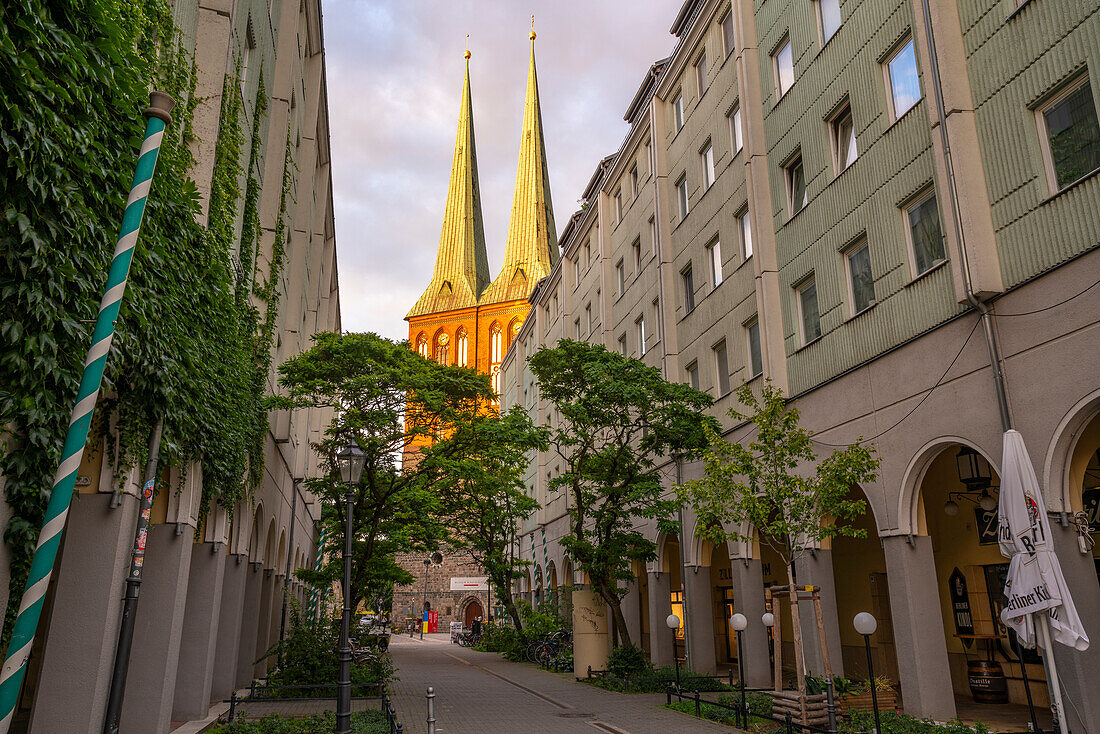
(277,613)
(632,612)
(817,569)
(195,673)
(918,627)
(700,625)
(263,623)
(158,627)
(1077,669)
(229,626)
(250,613)
(748,599)
(660,606)
(79,650)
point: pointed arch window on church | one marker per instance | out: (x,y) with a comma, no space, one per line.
(496,340)
(422,346)
(462,348)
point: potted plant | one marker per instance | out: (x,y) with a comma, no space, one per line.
(856,695)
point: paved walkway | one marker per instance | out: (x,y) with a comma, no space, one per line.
(481,693)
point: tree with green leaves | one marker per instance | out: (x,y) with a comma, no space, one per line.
(393,403)
(480,470)
(764,490)
(617,417)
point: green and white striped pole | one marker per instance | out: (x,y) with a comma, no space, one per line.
(315,592)
(49,538)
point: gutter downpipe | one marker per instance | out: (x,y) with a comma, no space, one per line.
(1041,619)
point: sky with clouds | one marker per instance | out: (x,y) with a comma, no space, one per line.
(394,84)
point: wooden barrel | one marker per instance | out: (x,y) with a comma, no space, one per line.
(987,681)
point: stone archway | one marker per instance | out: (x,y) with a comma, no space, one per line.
(473,611)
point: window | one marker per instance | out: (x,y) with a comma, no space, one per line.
(727,34)
(588,318)
(634,181)
(721,368)
(701,73)
(736,135)
(796,186)
(636,249)
(707,155)
(693,375)
(622,344)
(828,18)
(1072,136)
(901,80)
(620,278)
(842,136)
(861,281)
(657,318)
(587,254)
(618,205)
(422,346)
(576,271)
(752,334)
(649,157)
(783,64)
(682,196)
(497,342)
(678,110)
(653,234)
(714,256)
(639,330)
(807,310)
(744,225)
(925,236)
(463,349)
(689,289)
(577,328)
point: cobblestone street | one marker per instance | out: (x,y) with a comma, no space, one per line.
(481,693)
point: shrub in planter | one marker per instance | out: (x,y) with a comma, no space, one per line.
(895,723)
(362,722)
(628,661)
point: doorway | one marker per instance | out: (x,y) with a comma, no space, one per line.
(473,611)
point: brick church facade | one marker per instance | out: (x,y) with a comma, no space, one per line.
(467,318)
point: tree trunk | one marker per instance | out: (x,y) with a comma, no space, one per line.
(796,632)
(617,618)
(504,593)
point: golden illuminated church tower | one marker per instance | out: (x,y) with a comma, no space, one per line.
(462,317)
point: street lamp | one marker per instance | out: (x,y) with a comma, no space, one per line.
(673,623)
(739,622)
(350,460)
(866,625)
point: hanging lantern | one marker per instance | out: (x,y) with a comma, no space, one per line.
(974,470)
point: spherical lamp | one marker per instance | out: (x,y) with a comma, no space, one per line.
(672,621)
(739,621)
(951,508)
(768,619)
(865,623)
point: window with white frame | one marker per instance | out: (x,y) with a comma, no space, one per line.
(693,375)
(678,110)
(701,72)
(842,137)
(737,139)
(618,205)
(783,67)
(721,368)
(744,228)
(636,251)
(707,156)
(649,157)
(828,19)
(587,254)
(714,257)
(797,197)
(727,34)
(1070,133)
(682,196)
(639,331)
(422,346)
(657,318)
(752,336)
(620,278)
(923,231)
(861,280)
(497,342)
(809,315)
(577,328)
(653,234)
(688,283)
(902,80)
(576,271)
(634,181)
(463,347)
(588,318)
(622,344)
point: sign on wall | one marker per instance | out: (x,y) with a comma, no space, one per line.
(960,605)
(469,583)
(988,522)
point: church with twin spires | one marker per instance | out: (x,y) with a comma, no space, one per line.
(466,317)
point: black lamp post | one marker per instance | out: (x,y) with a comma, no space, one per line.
(739,622)
(350,460)
(866,625)
(673,623)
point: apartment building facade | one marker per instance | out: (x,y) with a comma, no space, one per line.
(214,581)
(827,195)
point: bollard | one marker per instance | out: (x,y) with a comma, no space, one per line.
(252,689)
(668,695)
(431,710)
(232,705)
(830,705)
(789,723)
(697,703)
(589,671)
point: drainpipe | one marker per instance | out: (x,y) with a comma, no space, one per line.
(985,315)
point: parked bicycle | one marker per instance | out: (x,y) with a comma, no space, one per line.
(543,651)
(467,638)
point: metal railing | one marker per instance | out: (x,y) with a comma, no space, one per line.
(264,693)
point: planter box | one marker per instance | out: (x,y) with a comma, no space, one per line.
(887,701)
